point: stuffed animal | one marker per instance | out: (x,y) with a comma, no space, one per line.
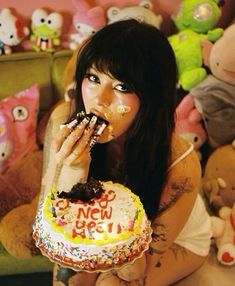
(12,31)
(215,96)
(218,181)
(142,12)
(16,230)
(21,182)
(194,22)
(223,228)
(46,30)
(86,24)
(188,123)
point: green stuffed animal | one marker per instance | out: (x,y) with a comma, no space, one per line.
(46,29)
(194,21)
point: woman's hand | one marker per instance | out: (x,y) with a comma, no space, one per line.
(72,143)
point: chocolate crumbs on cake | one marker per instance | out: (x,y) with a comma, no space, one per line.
(84,191)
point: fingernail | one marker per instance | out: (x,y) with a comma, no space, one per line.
(72,124)
(101,129)
(93,120)
(62,126)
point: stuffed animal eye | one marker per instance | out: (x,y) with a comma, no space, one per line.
(203,12)
(20,113)
(39,16)
(54,21)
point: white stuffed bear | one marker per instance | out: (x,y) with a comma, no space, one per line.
(12,31)
(224,232)
(142,12)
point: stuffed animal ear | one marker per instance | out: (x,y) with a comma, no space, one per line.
(146,4)
(185,106)
(206,50)
(195,116)
(112,11)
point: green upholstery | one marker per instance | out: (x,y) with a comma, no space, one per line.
(11,265)
(19,71)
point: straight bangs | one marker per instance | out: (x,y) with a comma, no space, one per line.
(110,54)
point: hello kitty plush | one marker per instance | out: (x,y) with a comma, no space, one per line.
(12,31)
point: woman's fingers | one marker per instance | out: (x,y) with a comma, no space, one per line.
(82,146)
(82,159)
(71,145)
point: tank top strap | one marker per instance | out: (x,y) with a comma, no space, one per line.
(182,156)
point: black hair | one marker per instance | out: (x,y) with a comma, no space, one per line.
(139,55)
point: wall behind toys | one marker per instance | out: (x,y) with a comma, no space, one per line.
(25,8)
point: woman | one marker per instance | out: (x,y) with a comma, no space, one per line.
(126,74)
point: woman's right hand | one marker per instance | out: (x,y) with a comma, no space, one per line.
(72,142)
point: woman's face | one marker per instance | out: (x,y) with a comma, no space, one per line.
(110,99)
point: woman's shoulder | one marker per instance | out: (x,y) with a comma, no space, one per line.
(179,147)
(61,112)
(184,173)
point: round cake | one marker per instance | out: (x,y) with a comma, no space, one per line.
(102,233)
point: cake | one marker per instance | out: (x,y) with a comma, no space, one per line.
(95,235)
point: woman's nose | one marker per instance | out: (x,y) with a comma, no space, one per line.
(104,96)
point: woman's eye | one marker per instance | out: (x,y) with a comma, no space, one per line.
(92,78)
(122,87)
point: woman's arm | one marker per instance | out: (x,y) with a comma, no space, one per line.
(178,200)
(58,116)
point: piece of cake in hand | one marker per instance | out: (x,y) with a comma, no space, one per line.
(96,233)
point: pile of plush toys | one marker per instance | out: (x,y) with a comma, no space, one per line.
(206,66)
(45,30)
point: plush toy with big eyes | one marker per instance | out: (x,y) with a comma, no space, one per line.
(12,31)
(194,20)
(46,29)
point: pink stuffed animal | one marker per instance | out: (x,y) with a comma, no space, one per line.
(224,232)
(86,22)
(189,123)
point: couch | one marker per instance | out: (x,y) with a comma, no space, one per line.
(18,72)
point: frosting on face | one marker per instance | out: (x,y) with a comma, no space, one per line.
(122,109)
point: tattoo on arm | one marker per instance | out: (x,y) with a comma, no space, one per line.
(158,236)
(159,232)
(178,250)
(176,190)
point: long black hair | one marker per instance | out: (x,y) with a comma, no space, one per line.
(139,55)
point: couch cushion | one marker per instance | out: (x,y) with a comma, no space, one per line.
(12,265)
(20,70)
